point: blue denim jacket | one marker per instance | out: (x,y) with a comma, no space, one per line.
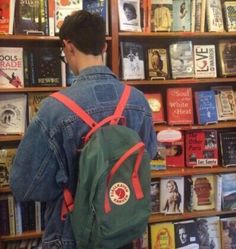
(47,156)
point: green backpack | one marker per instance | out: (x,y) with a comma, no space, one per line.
(111,206)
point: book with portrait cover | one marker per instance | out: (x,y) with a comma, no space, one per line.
(161,15)
(201,147)
(159,160)
(228,232)
(157,63)
(203,197)
(181,15)
(186,235)
(227,57)
(206,107)
(228,148)
(225,102)
(172,195)
(179,106)
(132,59)
(155,196)
(129,15)
(214,15)
(7,155)
(230,15)
(12,113)
(12,69)
(156,104)
(205,61)
(181,59)
(209,234)
(7,16)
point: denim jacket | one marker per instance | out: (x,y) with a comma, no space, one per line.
(47,156)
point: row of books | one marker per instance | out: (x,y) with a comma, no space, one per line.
(178,194)
(181,59)
(177,15)
(25,244)
(44,17)
(209,232)
(19,217)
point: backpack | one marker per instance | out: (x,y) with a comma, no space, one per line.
(111,205)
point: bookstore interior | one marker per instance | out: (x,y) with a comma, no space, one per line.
(182,55)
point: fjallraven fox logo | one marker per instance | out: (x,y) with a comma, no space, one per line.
(119,193)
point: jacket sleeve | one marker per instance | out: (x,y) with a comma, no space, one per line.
(35,173)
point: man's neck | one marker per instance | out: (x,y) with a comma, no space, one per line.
(85,61)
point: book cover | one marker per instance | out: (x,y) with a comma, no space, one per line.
(12,113)
(7,16)
(129,15)
(159,160)
(132,60)
(186,234)
(227,55)
(228,232)
(209,234)
(161,15)
(162,235)
(204,192)
(228,148)
(228,192)
(205,61)
(214,16)
(206,107)
(157,63)
(179,106)
(155,196)
(225,102)
(181,58)
(7,156)
(12,68)
(230,15)
(172,195)
(182,15)
(201,148)
(156,104)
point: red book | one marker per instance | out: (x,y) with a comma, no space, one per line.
(156,105)
(179,106)
(7,16)
(201,148)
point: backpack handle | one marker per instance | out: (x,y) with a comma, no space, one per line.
(137,188)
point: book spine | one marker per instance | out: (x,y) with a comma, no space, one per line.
(11,207)
(4,221)
(18,218)
(218,193)
(203,15)
(38,226)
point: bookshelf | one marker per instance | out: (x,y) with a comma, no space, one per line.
(114,62)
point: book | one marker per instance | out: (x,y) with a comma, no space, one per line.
(214,16)
(129,15)
(172,195)
(18,218)
(6,159)
(186,234)
(205,61)
(209,234)
(141,243)
(132,60)
(179,106)
(11,214)
(225,102)
(181,58)
(227,55)
(204,192)
(199,15)
(12,69)
(161,15)
(228,148)
(206,107)
(228,232)
(162,235)
(12,113)
(4,221)
(230,15)
(157,63)
(155,196)
(201,148)
(156,104)
(7,16)
(159,160)
(181,15)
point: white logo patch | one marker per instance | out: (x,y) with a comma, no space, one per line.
(119,193)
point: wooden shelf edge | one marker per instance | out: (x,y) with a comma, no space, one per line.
(25,235)
(5,190)
(30,89)
(10,138)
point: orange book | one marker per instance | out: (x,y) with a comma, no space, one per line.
(7,16)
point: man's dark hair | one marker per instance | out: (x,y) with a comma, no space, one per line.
(85,30)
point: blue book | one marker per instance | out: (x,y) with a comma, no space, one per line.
(206,107)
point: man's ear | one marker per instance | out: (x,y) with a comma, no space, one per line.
(70,46)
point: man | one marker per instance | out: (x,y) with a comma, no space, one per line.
(48,155)
(183,235)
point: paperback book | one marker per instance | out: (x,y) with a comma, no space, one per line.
(7,16)
(155,196)
(230,15)
(199,15)
(228,232)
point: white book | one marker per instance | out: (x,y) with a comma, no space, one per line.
(129,15)
(218,192)
(12,113)
(11,214)
(38,225)
(18,218)
(205,61)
